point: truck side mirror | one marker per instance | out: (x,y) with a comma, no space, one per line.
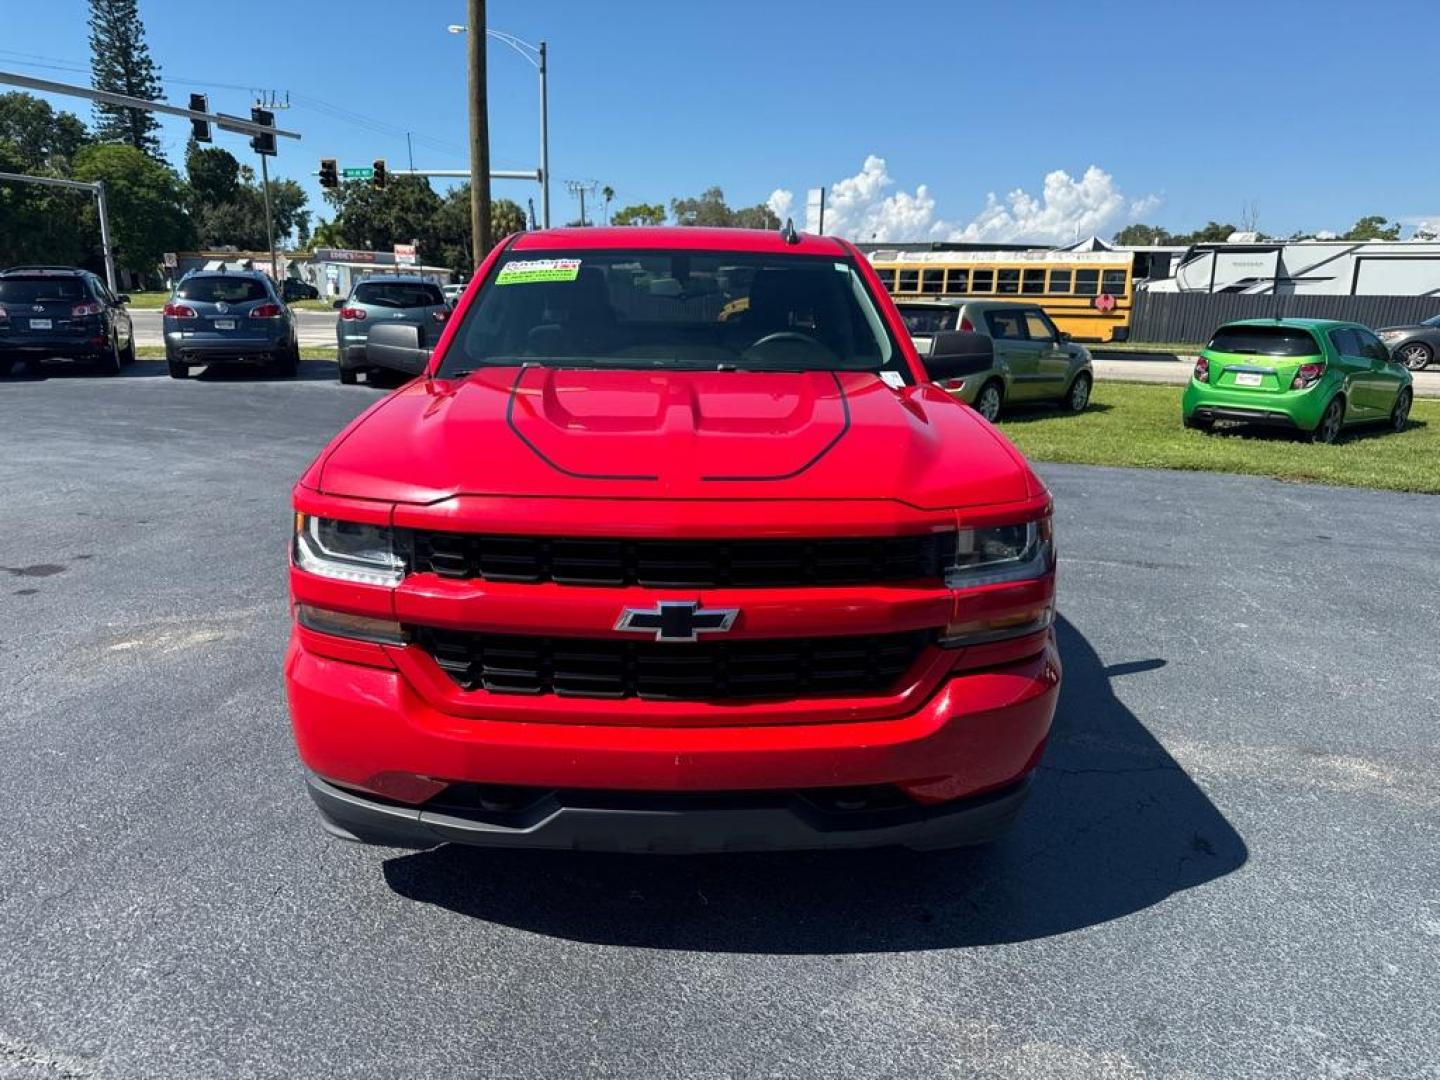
(956,353)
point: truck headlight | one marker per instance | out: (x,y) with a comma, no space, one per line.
(1000,553)
(347,551)
(1021,556)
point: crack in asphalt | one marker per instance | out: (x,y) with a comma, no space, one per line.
(36,1060)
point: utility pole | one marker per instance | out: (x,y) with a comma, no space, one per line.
(410,151)
(579,188)
(479,133)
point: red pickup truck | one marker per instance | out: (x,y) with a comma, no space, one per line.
(672,547)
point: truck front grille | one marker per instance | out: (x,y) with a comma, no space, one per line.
(784,668)
(683,563)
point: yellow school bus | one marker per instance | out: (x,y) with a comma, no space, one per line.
(1086,293)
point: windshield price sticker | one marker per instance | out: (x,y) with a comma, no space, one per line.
(528,271)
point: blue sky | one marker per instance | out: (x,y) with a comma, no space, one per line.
(1181,112)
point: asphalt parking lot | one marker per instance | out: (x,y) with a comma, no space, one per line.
(1230,868)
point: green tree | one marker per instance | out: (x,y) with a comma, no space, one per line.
(1373,227)
(639,214)
(759,216)
(448,242)
(214,174)
(120,62)
(1214,232)
(709,209)
(375,218)
(1138,235)
(146,198)
(43,224)
(227,203)
(42,140)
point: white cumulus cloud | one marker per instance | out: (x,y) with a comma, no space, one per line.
(866,206)
(780,202)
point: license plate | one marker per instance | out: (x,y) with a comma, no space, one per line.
(41,324)
(1247,378)
(224,324)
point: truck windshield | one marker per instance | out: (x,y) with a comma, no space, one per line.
(700,310)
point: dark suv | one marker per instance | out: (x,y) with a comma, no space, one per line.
(229,317)
(62,313)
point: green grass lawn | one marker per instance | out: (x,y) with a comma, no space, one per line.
(1173,348)
(1136,425)
(154,301)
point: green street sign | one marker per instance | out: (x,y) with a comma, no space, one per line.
(357,174)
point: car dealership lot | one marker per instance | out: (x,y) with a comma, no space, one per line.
(1229,867)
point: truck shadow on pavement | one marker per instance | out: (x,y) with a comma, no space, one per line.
(1114,826)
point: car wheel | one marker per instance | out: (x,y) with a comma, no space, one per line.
(178,368)
(1331,420)
(1197,423)
(128,356)
(1416,356)
(348,376)
(108,362)
(988,401)
(1079,396)
(1400,414)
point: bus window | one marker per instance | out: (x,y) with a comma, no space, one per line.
(957,281)
(1087,282)
(887,277)
(982,281)
(909,281)
(1060,281)
(1007,281)
(1114,282)
(932,281)
(1032,281)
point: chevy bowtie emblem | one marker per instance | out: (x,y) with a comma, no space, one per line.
(677,620)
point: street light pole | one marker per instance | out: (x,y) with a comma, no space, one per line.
(479,134)
(269,228)
(544,142)
(538,58)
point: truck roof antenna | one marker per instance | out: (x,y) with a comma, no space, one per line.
(788,233)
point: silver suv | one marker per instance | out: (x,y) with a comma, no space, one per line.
(386,301)
(1034,361)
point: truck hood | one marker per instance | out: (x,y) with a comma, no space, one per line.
(546,432)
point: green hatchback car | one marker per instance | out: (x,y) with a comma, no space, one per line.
(1313,376)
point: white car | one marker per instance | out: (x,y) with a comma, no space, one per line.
(452,293)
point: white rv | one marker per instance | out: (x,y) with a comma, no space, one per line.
(1308,267)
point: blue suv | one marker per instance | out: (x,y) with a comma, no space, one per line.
(229,317)
(62,313)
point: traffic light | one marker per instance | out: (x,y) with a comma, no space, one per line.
(263,144)
(377,178)
(199,129)
(329,172)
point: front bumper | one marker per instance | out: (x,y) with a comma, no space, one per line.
(382,751)
(671,823)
